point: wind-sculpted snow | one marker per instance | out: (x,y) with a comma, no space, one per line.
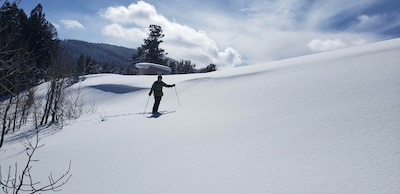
(323,123)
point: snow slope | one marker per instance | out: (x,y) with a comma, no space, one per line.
(323,123)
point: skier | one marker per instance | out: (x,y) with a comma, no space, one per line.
(158,93)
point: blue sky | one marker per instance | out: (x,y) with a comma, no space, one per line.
(229,32)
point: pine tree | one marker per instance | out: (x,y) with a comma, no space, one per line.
(150,51)
(13,71)
(43,42)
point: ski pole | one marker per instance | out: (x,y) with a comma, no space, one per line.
(177,96)
(146,105)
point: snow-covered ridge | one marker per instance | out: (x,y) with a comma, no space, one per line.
(323,123)
(148,65)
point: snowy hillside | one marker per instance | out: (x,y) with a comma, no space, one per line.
(324,123)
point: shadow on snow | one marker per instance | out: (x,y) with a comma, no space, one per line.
(116,89)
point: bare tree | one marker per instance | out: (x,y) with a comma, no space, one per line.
(17,101)
(23,181)
(13,70)
(10,83)
(60,75)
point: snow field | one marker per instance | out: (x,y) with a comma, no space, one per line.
(324,123)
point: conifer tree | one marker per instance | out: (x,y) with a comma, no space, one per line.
(150,51)
(43,42)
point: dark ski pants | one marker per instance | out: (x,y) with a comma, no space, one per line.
(157,100)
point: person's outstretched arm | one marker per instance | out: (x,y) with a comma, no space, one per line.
(167,85)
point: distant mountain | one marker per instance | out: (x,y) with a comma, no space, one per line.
(102,53)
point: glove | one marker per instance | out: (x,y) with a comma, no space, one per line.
(173,85)
(149,93)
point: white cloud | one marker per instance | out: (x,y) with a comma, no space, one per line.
(125,34)
(138,14)
(366,21)
(318,45)
(257,31)
(270,30)
(378,22)
(181,41)
(57,26)
(72,24)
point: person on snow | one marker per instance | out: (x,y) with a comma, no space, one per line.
(158,93)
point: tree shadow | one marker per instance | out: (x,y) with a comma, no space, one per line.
(28,134)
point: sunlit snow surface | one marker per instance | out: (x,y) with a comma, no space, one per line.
(323,123)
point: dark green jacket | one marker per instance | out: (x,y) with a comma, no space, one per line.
(157,88)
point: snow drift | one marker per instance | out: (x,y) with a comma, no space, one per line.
(323,123)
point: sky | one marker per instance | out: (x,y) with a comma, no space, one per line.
(227,33)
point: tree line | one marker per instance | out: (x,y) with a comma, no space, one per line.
(30,56)
(150,51)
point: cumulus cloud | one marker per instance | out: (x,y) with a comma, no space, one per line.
(318,45)
(247,32)
(72,24)
(270,30)
(136,13)
(119,31)
(181,41)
